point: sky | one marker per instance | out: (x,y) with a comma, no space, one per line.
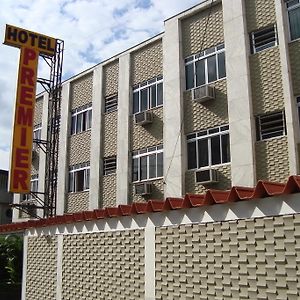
(93,30)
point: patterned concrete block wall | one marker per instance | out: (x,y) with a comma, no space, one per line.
(294,50)
(41,268)
(38,111)
(209,114)
(244,259)
(260,14)
(110,131)
(266,82)
(111,78)
(272,161)
(103,266)
(79,148)
(77,202)
(108,190)
(146,63)
(224,183)
(193,31)
(81,92)
(150,134)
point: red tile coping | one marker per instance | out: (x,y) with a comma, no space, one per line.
(263,189)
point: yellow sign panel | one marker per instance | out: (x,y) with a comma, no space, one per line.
(32,45)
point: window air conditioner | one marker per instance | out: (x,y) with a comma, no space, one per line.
(143,118)
(206,176)
(203,93)
(142,189)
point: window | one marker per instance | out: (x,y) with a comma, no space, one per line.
(147,95)
(110,103)
(263,39)
(270,125)
(208,147)
(34,186)
(147,163)
(109,165)
(81,119)
(205,67)
(293,7)
(79,177)
(37,132)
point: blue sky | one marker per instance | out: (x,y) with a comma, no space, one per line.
(93,30)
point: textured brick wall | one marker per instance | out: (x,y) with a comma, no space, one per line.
(209,114)
(294,50)
(266,82)
(150,134)
(79,148)
(81,92)
(41,268)
(272,161)
(157,192)
(244,259)
(111,78)
(224,173)
(146,63)
(38,111)
(259,14)
(110,130)
(103,266)
(77,202)
(108,191)
(193,31)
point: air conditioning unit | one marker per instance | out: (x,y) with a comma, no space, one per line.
(142,189)
(203,93)
(143,118)
(206,176)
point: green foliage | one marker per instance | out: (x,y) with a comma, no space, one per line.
(11,256)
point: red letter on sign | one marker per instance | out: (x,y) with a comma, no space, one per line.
(26,92)
(27,75)
(22,159)
(29,54)
(19,178)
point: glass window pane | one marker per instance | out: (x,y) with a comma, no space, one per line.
(153,96)
(203,153)
(152,166)
(160,166)
(215,150)
(87,179)
(221,65)
(135,169)
(84,121)
(144,99)
(294,18)
(225,148)
(135,102)
(212,68)
(189,76)
(90,114)
(143,161)
(79,176)
(192,160)
(73,125)
(200,72)
(79,123)
(160,94)
(71,178)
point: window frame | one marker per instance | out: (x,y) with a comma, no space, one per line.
(252,39)
(37,132)
(147,152)
(109,165)
(81,113)
(34,187)
(207,135)
(289,9)
(108,107)
(205,55)
(73,181)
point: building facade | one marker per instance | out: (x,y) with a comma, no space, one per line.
(5,199)
(210,103)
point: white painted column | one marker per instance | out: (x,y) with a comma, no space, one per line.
(123,171)
(293,132)
(16,211)
(174,141)
(62,173)
(241,120)
(59,267)
(95,161)
(24,269)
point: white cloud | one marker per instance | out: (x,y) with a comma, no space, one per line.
(93,30)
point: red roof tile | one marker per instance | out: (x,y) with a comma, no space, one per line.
(263,189)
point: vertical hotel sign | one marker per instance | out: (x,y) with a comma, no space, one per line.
(31,45)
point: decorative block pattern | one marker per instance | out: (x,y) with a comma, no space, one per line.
(80,148)
(294,50)
(106,265)
(224,173)
(266,82)
(259,14)
(208,114)
(272,161)
(194,38)
(146,63)
(108,191)
(157,192)
(110,132)
(41,268)
(77,202)
(111,78)
(150,134)
(81,92)
(38,111)
(244,259)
